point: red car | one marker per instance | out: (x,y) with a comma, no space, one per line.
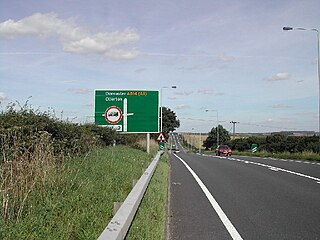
(223,150)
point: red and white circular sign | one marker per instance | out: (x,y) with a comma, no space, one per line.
(113,114)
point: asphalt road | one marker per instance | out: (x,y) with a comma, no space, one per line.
(243,198)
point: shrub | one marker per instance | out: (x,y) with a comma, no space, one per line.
(32,145)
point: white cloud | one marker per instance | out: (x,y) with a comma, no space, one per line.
(278,77)
(225,58)
(3,96)
(183,106)
(172,98)
(89,105)
(280,106)
(74,39)
(206,91)
(80,90)
(183,93)
(209,92)
(140,70)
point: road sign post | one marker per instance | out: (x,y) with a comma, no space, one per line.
(128,111)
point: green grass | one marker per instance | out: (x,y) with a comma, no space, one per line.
(150,221)
(78,204)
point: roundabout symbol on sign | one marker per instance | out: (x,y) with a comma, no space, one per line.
(113,115)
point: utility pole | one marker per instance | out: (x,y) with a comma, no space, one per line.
(234,128)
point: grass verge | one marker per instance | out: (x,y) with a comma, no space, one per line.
(150,220)
(78,204)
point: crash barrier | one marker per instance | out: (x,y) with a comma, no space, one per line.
(119,225)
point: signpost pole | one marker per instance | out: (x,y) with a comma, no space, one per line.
(148,143)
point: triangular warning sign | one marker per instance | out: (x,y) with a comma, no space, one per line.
(161,137)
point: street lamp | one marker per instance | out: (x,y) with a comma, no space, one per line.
(161,104)
(318,54)
(207,110)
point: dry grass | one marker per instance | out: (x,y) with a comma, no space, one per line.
(194,139)
(27,161)
(142,144)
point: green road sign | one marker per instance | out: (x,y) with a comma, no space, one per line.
(128,111)
(162,146)
(254,147)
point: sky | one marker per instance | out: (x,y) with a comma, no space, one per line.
(229,57)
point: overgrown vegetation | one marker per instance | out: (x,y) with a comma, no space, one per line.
(55,179)
(32,146)
(78,201)
(278,143)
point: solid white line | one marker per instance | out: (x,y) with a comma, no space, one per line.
(225,220)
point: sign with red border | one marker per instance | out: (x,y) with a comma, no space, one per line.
(113,115)
(139,110)
(161,137)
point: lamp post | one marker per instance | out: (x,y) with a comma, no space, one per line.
(200,143)
(207,110)
(161,104)
(192,140)
(318,60)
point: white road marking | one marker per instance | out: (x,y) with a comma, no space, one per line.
(274,169)
(225,220)
(280,169)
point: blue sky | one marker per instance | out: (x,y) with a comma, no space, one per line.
(231,56)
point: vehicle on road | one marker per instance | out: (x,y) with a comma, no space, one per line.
(174,148)
(224,150)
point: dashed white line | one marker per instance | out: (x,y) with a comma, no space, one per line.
(273,168)
(225,220)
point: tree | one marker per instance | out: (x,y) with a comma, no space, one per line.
(211,140)
(169,121)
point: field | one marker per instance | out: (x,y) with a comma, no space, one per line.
(195,140)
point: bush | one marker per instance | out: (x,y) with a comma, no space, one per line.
(68,138)
(32,146)
(278,143)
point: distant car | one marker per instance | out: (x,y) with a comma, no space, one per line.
(174,148)
(223,150)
